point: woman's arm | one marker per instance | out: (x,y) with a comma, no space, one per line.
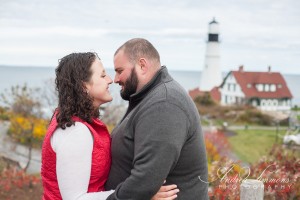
(73,147)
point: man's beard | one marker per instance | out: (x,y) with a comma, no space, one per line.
(130,85)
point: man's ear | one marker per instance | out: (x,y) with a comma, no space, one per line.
(143,65)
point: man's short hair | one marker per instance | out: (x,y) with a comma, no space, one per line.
(137,48)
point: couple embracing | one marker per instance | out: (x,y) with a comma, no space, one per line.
(155,152)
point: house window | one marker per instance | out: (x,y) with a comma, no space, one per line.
(273,88)
(270,103)
(254,103)
(237,100)
(249,85)
(229,86)
(263,103)
(279,86)
(275,103)
(259,87)
(267,88)
(234,86)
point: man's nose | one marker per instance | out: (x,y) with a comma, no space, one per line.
(116,80)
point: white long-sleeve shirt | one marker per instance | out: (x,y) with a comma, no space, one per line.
(73,147)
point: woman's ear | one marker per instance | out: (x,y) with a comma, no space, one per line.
(86,87)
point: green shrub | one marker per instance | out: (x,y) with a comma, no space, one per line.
(255,117)
(205,100)
(3,114)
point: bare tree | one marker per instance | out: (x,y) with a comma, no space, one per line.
(113,114)
(25,107)
(49,96)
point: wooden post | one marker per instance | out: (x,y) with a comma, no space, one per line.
(252,189)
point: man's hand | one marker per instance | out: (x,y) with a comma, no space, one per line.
(168,192)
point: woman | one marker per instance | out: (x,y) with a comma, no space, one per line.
(76,150)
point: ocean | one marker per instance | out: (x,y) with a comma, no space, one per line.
(41,76)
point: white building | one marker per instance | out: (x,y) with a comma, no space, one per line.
(265,90)
(211,75)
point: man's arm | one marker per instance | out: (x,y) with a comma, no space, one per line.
(160,132)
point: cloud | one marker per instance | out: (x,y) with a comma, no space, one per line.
(264,29)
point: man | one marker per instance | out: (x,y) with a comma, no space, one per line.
(160,136)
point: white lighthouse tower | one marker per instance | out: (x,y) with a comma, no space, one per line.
(211,74)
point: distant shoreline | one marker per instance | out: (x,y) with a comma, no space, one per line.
(109,68)
(35,76)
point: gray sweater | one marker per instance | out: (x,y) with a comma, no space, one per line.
(159,138)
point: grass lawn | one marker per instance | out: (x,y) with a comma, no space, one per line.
(251,145)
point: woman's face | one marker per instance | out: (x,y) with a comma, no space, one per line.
(98,84)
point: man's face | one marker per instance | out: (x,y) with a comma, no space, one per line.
(126,75)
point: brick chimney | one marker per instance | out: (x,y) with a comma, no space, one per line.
(241,68)
(269,69)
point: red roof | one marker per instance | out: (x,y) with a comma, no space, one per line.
(195,92)
(244,78)
(214,93)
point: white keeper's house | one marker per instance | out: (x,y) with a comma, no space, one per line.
(265,90)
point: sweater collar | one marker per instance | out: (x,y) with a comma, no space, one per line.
(162,76)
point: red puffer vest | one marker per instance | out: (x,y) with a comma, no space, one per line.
(101,159)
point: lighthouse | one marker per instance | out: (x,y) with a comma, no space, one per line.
(211,74)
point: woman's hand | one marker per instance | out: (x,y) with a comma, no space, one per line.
(167,192)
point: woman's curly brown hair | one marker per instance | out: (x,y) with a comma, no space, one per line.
(72,72)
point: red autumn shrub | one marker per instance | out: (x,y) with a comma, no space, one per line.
(13,177)
(279,171)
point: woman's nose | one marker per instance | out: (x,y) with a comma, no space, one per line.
(109,80)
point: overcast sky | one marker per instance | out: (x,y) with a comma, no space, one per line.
(253,33)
